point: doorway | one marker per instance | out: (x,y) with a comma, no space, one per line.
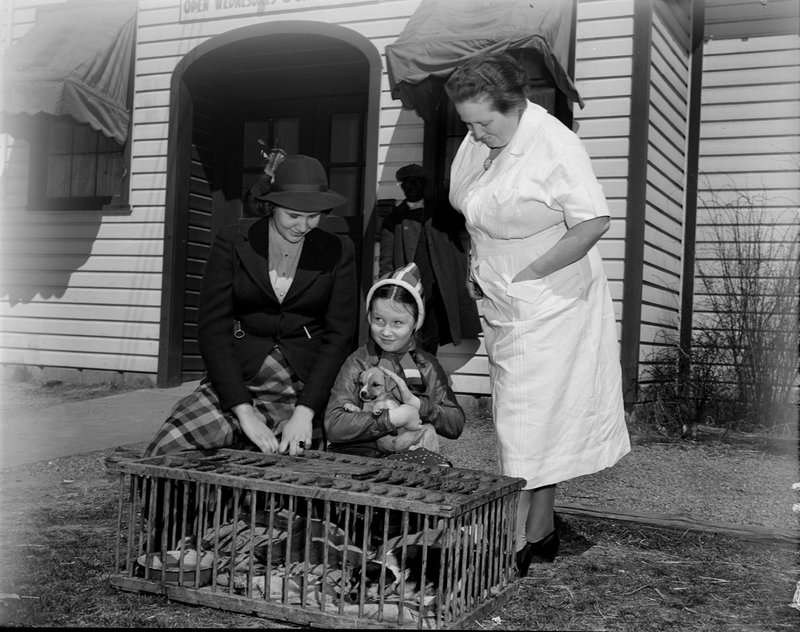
(308,92)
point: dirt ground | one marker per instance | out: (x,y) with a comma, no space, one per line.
(57,525)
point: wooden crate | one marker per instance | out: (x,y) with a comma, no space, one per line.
(291,538)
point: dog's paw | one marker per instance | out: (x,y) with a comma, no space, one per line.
(351,408)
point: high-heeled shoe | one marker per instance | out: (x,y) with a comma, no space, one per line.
(542,551)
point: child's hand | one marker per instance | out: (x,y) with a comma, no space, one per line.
(405,416)
(406,396)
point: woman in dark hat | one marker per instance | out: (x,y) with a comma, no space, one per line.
(278,308)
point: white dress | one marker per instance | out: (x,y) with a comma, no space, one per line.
(552,342)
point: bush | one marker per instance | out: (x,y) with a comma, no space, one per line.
(740,370)
(675,403)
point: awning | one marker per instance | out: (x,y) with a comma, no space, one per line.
(75,60)
(442,34)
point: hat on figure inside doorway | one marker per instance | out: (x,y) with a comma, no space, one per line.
(407,277)
(300,184)
(411,171)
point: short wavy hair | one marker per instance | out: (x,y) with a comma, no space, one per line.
(498,78)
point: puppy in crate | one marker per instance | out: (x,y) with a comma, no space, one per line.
(408,574)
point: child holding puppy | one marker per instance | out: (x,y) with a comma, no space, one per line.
(395,312)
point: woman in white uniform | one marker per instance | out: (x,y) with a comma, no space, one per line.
(534,212)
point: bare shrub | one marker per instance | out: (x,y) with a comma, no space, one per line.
(741,369)
(750,292)
(675,403)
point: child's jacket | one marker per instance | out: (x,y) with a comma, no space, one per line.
(356,433)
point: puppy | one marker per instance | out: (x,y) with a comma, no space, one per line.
(411,574)
(376,394)
(374,587)
(376,391)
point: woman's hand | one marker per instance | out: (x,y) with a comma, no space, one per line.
(254,425)
(473,289)
(527,273)
(297,431)
(406,396)
(405,416)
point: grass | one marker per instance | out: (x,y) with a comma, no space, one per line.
(58,525)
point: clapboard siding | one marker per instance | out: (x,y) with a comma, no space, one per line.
(746,95)
(749,152)
(84,279)
(43,308)
(62,265)
(603,69)
(666,158)
(80,343)
(764,122)
(118,357)
(75,328)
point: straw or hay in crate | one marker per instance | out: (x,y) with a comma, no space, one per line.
(321,539)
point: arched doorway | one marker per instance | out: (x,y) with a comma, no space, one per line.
(310,87)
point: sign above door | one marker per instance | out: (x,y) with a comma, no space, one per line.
(194,10)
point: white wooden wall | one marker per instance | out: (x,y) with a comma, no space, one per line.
(603,66)
(750,143)
(79,289)
(666,179)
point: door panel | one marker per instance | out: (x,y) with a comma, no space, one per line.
(200,221)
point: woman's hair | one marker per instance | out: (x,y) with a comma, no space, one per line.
(498,78)
(398,294)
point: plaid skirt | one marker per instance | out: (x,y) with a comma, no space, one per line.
(198,423)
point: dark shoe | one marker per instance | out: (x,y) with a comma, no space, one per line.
(542,551)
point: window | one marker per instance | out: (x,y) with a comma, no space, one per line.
(74,167)
(346,170)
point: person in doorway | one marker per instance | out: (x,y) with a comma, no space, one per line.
(395,311)
(534,211)
(278,305)
(426,233)
(253,204)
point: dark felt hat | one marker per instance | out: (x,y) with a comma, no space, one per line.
(301,185)
(411,171)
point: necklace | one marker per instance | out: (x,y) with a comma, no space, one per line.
(490,159)
(283,259)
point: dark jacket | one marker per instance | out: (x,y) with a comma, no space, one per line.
(356,433)
(314,325)
(399,237)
